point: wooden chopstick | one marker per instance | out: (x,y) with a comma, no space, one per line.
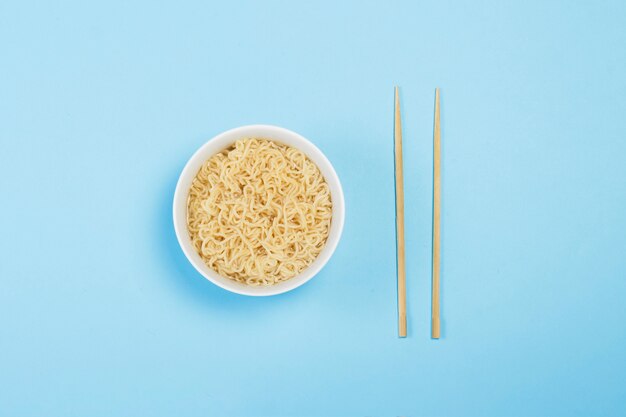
(435,329)
(397,131)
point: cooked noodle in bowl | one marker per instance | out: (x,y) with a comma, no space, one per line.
(258,210)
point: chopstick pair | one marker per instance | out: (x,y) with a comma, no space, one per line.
(400,249)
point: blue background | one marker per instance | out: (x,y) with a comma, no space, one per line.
(102,105)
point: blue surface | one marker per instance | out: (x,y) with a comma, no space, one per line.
(101,105)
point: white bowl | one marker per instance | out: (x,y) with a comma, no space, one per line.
(218,144)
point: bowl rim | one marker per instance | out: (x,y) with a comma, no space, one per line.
(274,133)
